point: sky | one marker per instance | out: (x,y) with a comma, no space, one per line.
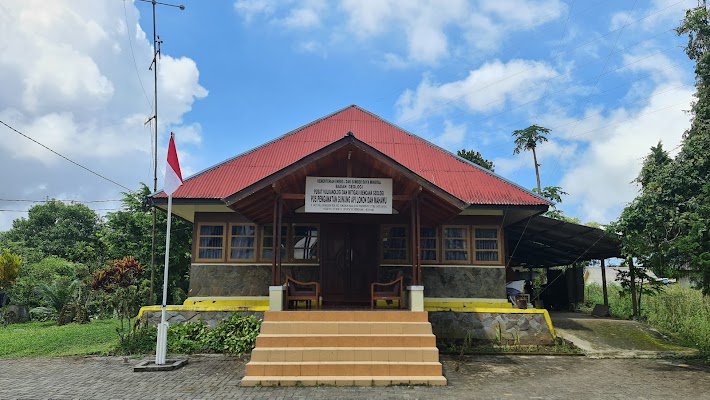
(608,78)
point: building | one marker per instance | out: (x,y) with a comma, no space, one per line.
(351,199)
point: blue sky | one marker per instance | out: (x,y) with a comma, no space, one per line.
(608,77)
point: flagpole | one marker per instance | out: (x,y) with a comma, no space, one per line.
(173,180)
(161,346)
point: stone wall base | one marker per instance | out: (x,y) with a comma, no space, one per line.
(505,328)
(494,327)
(211,318)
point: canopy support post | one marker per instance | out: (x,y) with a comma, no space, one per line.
(604,289)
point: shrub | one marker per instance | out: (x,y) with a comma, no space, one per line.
(187,338)
(44,272)
(42,314)
(120,282)
(680,312)
(9,268)
(234,335)
(683,313)
(619,305)
(141,341)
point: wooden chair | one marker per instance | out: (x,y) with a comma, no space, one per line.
(301,291)
(388,291)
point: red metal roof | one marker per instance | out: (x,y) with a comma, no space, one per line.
(464,180)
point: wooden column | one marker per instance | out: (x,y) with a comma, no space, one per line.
(277,238)
(274,280)
(418,241)
(606,295)
(413,212)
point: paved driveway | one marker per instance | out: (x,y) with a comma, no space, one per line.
(475,377)
(615,338)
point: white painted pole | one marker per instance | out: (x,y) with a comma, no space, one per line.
(161,345)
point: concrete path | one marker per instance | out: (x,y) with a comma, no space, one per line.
(474,377)
(614,338)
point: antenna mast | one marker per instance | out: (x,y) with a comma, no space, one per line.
(154,66)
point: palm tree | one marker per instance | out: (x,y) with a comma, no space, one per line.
(528,139)
(65,300)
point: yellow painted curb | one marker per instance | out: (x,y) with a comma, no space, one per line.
(464,304)
(245,301)
(201,308)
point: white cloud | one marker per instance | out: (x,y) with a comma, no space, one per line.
(511,166)
(306,16)
(599,178)
(416,32)
(663,70)
(249,9)
(393,61)
(657,13)
(188,134)
(553,152)
(453,135)
(488,88)
(312,46)
(425,24)
(69,82)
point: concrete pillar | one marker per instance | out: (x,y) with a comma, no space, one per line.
(276,298)
(416,298)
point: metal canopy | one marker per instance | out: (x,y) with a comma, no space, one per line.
(547,242)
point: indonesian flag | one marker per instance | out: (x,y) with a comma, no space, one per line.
(173,176)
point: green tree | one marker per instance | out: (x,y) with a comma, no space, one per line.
(666,226)
(44,272)
(69,231)
(528,139)
(63,300)
(644,284)
(9,269)
(554,194)
(128,233)
(476,158)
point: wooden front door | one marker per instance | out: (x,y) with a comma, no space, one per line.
(349,262)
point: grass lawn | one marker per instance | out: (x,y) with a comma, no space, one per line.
(46,339)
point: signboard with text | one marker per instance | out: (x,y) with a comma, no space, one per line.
(348,195)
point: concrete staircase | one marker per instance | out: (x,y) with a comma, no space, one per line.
(344,348)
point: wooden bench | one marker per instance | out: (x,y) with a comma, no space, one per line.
(301,291)
(388,291)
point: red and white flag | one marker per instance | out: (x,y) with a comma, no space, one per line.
(173,176)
